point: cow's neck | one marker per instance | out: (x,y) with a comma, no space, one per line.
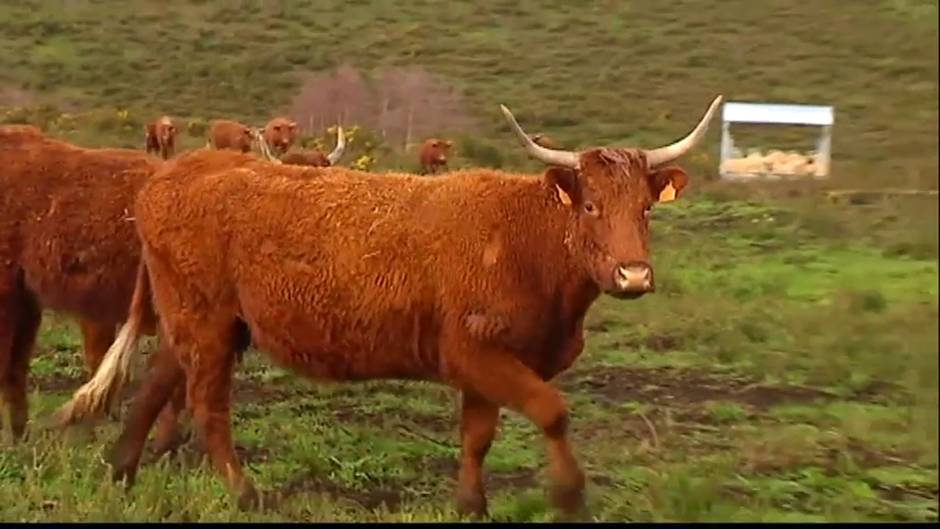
(575,292)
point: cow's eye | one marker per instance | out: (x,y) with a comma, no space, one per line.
(590,208)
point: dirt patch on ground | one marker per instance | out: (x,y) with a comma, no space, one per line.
(369,499)
(448,467)
(667,386)
(14,96)
(352,414)
(55,383)
(190,453)
(248,390)
(658,342)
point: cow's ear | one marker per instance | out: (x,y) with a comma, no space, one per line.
(667,182)
(565,183)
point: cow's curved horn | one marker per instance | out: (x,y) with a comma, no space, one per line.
(548,156)
(337,153)
(655,157)
(263,145)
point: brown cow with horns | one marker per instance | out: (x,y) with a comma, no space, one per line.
(479,279)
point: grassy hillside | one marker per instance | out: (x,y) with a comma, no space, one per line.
(605,72)
(786,370)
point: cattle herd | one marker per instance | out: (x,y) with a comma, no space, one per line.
(479,279)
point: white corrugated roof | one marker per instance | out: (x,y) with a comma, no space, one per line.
(777,113)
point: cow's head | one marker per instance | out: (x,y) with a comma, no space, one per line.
(436,150)
(609,193)
(280,133)
(166,130)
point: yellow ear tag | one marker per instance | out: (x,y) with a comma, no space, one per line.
(565,199)
(668,194)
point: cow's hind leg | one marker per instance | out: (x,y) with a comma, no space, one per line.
(165,374)
(478,421)
(20,317)
(9,318)
(499,377)
(211,359)
(169,435)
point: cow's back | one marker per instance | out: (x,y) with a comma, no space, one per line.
(66,223)
(355,270)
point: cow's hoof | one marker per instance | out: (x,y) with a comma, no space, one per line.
(567,495)
(125,473)
(249,499)
(123,465)
(471,503)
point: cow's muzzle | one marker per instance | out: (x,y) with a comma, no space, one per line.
(633,279)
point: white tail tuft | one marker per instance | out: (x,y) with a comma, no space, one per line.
(99,394)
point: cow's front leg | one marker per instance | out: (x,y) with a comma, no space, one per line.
(478,421)
(499,377)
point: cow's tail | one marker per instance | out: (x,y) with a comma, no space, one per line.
(100,393)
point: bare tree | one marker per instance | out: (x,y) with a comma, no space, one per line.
(403,105)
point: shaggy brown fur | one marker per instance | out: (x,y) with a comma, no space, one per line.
(310,157)
(161,137)
(67,243)
(228,134)
(433,155)
(479,279)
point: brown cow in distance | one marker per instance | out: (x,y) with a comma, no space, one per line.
(161,137)
(479,279)
(315,158)
(433,155)
(280,134)
(228,134)
(545,141)
(232,135)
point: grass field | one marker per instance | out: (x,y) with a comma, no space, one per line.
(786,369)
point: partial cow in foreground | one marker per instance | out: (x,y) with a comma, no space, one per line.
(161,137)
(67,243)
(479,279)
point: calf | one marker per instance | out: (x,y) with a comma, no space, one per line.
(161,137)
